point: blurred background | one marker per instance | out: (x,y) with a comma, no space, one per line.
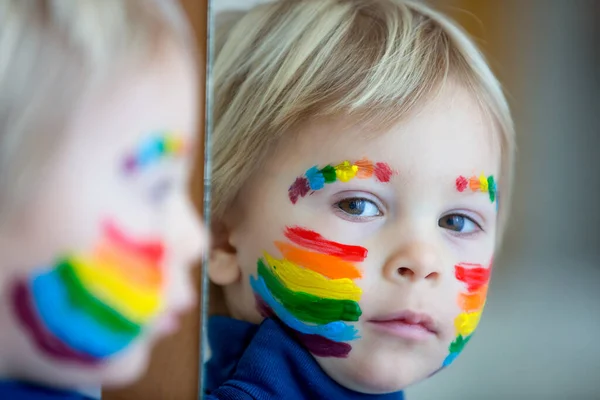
(540,334)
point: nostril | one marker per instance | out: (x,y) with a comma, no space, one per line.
(406,272)
(433,275)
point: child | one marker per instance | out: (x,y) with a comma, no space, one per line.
(358,152)
(98,109)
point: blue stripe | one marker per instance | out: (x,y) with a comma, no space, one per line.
(73,326)
(337,331)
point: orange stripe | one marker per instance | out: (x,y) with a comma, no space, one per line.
(473,301)
(330,266)
(130,267)
(365,169)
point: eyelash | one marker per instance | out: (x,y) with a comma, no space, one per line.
(463,234)
(357,218)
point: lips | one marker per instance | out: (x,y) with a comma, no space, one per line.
(407,325)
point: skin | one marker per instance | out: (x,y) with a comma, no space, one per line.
(404,225)
(83,184)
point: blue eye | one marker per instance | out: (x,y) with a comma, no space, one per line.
(359,207)
(459,223)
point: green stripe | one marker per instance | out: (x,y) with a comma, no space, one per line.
(459,343)
(306,307)
(103,313)
(329,174)
(492,188)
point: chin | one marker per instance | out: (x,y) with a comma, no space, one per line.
(377,375)
(126,369)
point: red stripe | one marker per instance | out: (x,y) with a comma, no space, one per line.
(474,275)
(152,251)
(313,241)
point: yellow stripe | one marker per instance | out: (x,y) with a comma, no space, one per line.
(483,183)
(135,304)
(466,323)
(307,281)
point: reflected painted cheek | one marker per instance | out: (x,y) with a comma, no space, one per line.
(311,290)
(92,306)
(471,301)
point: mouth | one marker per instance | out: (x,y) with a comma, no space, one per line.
(407,325)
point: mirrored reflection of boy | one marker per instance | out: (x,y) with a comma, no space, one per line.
(358,151)
(98,110)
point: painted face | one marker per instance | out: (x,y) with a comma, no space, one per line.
(95,268)
(366,249)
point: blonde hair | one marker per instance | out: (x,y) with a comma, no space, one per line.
(51,52)
(287,61)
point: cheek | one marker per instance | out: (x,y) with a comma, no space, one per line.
(471,298)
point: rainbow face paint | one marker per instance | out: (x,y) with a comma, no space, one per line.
(315,179)
(90,307)
(478,184)
(471,302)
(311,290)
(157,147)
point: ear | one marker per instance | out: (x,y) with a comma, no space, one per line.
(223,267)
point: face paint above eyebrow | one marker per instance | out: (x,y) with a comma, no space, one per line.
(315,179)
(153,149)
(478,184)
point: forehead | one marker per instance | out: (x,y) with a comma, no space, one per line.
(448,136)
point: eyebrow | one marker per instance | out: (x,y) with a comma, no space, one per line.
(316,178)
(478,184)
(154,148)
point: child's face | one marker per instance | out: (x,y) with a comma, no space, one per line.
(411,245)
(113,210)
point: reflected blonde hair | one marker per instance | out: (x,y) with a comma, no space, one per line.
(282,63)
(51,52)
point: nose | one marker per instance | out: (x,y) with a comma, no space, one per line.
(413,262)
(186,235)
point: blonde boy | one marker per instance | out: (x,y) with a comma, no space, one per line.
(358,152)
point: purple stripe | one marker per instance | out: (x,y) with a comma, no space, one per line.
(316,344)
(323,347)
(44,340)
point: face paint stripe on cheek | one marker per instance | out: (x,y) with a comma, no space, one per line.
(336,331)
(97,304)
(313,241)
(136,303)
(42,337)
(476,279)
(310,292)
(54,307)
(81,297)
(324,264)
(473,301)
(150,251)
(323,347)
(302,280)
(306,307)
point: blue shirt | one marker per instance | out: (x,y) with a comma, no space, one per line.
(15,390)
(263,362)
